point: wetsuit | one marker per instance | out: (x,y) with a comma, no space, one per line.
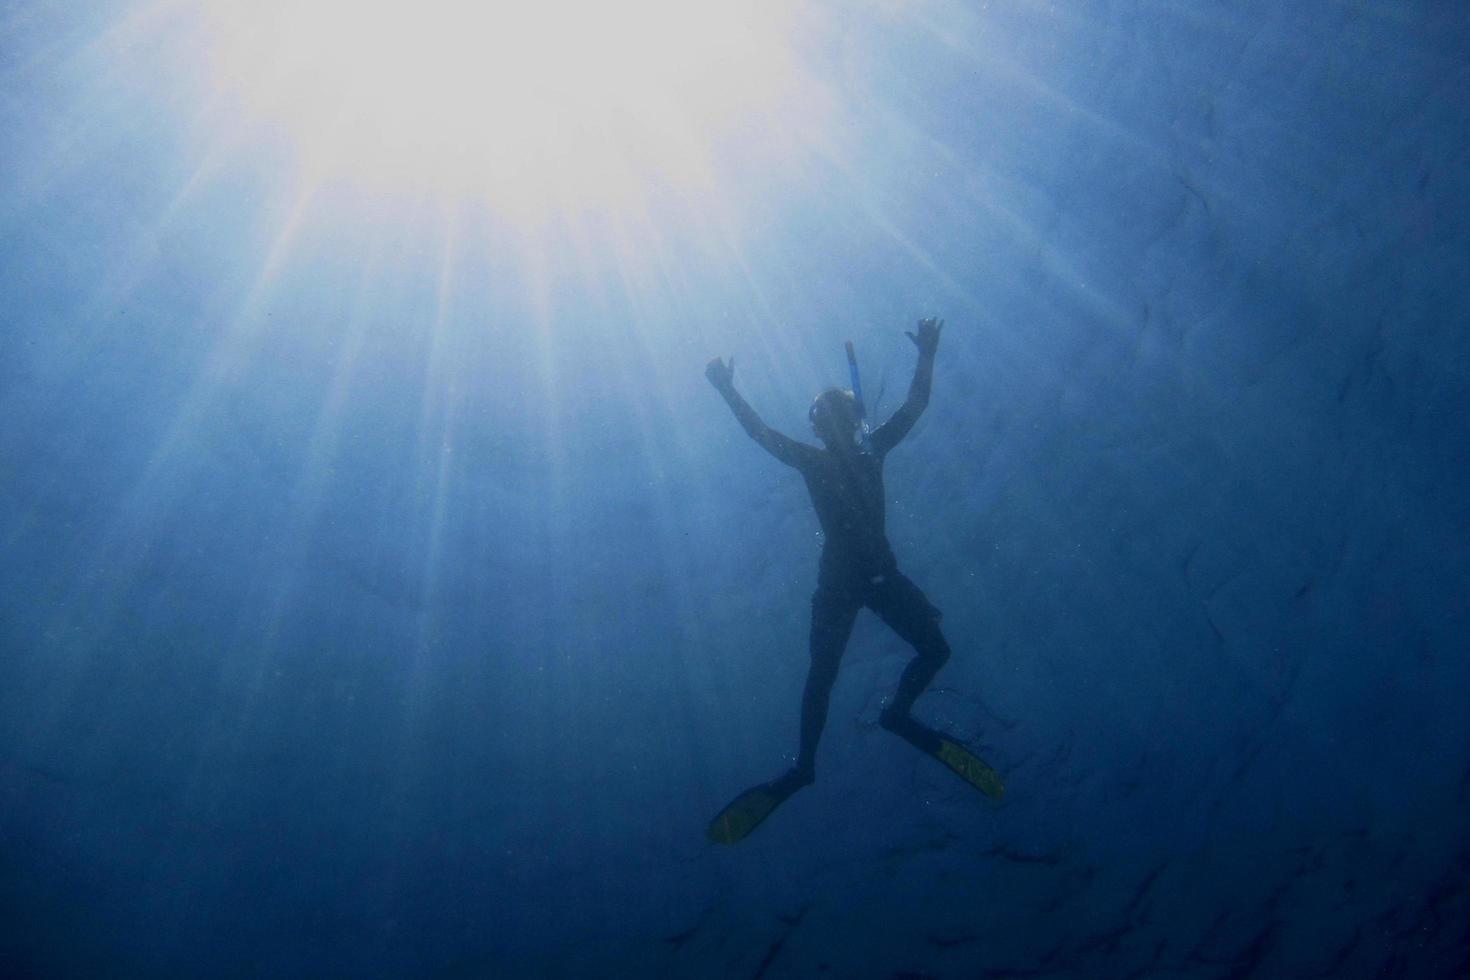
(857,566)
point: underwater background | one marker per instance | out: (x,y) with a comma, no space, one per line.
(385,592)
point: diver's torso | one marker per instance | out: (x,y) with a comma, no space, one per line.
(847,492)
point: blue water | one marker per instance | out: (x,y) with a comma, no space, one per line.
(385,592)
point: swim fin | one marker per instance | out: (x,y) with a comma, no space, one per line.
(968,766)
(971,768)
(747,810)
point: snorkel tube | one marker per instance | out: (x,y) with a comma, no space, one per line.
(857,394)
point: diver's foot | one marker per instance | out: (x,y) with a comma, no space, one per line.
(749,809)
(792,780)
(902,725)
(964,763)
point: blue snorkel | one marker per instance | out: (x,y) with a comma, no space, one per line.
(857,394)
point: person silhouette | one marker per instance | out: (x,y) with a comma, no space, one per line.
(857,569)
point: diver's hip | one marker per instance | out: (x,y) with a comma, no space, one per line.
(855,568)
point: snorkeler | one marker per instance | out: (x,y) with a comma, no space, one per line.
(858,568)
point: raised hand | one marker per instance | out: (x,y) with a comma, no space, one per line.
(720,374)
(927,339)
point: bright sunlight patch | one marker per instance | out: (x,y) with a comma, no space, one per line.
(552,103)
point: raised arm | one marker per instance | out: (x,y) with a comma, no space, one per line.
(891,433)
(783,447)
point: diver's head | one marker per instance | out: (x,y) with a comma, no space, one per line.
(834,417)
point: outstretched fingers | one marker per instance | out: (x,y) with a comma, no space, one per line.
(927,338)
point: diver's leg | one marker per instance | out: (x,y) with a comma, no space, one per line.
(909,613)
(912,616)
(833,613)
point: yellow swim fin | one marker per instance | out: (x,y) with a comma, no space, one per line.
(747,810)
(971,768)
